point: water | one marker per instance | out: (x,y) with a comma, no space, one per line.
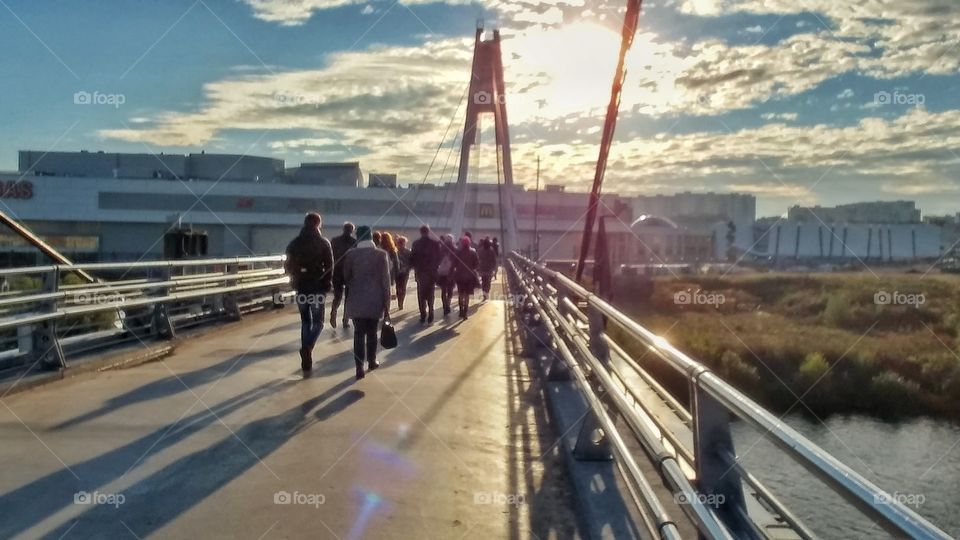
(918,461)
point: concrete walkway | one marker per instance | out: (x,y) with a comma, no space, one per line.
(225,439)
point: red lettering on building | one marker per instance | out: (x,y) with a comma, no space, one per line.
(16,190)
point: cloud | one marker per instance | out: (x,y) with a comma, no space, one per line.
(847,93)
(754,29)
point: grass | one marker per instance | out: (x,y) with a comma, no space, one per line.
(816,344)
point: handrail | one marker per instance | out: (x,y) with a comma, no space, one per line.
(862,493)
(221,286)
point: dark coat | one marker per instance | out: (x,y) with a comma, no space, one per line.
(488,260)
(366,270)
(465,264)
(340,244)
(425,257)
(310,262)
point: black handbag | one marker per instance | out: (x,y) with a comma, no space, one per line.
(388,335)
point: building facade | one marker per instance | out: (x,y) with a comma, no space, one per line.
(100,206)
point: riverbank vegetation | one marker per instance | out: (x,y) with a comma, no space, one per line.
(885,345)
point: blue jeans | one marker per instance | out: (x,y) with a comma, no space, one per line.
(311,318)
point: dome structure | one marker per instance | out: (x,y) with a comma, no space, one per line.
(650,221)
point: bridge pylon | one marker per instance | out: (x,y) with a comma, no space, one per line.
(486,95)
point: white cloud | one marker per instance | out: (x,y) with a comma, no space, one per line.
(754,29)
(847,93)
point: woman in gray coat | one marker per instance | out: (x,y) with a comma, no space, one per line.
(366,271)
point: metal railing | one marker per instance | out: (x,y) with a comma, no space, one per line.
(46,310)
(691,446)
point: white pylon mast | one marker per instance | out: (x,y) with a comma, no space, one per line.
(486,95)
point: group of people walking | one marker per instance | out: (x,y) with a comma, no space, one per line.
(361,266)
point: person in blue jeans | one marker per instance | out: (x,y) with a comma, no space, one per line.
(309,264)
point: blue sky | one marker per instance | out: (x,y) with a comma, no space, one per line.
(812,102)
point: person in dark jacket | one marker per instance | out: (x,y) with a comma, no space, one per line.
(309,264)
(445,277)
(367,272)
(425,258)
(465,267)
(488,265)
(340,244)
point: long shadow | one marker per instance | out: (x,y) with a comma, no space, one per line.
(158,499)
(34,502)
(173,384)
(411,346)
(543,502)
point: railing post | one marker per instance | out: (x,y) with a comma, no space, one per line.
(46,348)
(229,300)
(161,324)
(713,443)
(598,325)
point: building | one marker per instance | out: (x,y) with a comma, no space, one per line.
(327,174)
(706,215)
(382,180)
(96,206)
(949,231)
(786,240)
(886,212)
(100,206)
(200,166)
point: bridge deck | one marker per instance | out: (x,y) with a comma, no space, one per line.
(435,444)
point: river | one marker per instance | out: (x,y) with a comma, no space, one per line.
(918,461)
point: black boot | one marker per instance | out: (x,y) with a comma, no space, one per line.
(306,360)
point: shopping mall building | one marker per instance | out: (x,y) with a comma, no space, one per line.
(108,206)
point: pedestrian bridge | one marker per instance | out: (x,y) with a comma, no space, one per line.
(165,399)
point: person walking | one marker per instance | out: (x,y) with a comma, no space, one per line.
(309,264)
(445,272)
(367,274)
(340,244)
(488,265)
(404,255)
(465,274)
(425,258)
(390,246)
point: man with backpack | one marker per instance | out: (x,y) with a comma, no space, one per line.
(309,264)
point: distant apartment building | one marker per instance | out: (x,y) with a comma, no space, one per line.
(887,212)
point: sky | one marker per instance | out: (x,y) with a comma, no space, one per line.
(795,101)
